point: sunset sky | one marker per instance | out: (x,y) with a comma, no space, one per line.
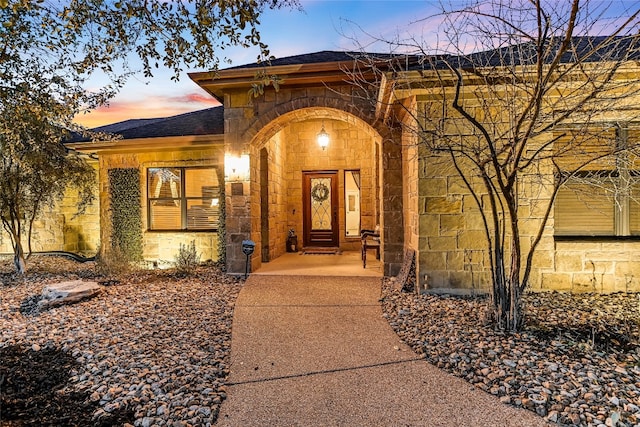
(323,25)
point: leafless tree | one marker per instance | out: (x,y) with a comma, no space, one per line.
(520,99)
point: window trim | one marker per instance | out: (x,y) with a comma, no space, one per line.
(183,199)
(621,206)
(346,204)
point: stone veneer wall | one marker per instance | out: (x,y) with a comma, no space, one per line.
(59,228)
(350,148)
(278,200)
(453,255)
(252,123)
(452,240)
(161,247)
(410,168)
(452,244)
(392,188)
(592,267)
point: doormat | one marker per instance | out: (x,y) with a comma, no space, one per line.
(321,251)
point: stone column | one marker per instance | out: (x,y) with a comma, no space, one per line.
(237,182)
(392,204)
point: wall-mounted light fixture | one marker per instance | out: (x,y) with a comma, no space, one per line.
(323,138)
(236,167)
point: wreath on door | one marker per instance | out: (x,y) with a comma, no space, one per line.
(320,192)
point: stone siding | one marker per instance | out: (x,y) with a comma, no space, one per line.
(453,255)
(61,228)
(160,247)
(286,123)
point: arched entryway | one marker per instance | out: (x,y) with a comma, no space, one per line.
(322,195)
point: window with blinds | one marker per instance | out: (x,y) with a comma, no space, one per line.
(602,198)
(183,199)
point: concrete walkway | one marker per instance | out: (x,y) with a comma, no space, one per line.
(316,351)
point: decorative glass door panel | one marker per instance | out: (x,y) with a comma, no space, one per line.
(320,209)
(321,203)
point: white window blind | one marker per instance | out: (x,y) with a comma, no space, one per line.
(182,198)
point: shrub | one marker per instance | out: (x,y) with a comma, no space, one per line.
(187,259)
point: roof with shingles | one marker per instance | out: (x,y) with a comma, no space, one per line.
(202,122)
(604,48)
(315,58)
(211,121)
(581,49)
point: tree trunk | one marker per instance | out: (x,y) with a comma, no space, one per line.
(508,308)
(18,258)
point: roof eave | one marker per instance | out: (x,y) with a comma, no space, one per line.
(297,74)
(145,144)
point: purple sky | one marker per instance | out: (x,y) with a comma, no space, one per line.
(322,25)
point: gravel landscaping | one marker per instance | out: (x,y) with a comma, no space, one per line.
(577,362)
(151,349)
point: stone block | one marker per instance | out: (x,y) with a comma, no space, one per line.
(538,208)
(577,246)
(541,259)
(432,260)
(546,243)
(596,256)
(568,262)
(443,205)
(455,261)
(236,100)
(436,279)
(472,218)
(529,227)
(433,187)
(460,279)
(450,225)
(585,282)
(444,243)
(456,186)
(630,247)
(630,269)
(394,203)
(472,239)
(556,281)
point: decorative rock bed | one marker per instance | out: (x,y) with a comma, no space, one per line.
(577,363)
(154,347)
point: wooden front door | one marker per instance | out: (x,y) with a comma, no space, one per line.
(320,208)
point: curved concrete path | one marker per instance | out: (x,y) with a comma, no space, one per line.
(316,351)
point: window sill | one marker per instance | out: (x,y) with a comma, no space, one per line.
(212,230)
(595,238)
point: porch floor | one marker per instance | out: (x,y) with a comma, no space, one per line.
(345,264)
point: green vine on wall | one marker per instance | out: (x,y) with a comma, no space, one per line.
(222,231)
(126,215)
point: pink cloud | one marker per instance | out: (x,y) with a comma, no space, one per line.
(145,108)
(196,98)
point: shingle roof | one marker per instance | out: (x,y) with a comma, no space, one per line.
(127,124)
(627,47)
(203,122)
(317,57)
(582,48)
(211,121)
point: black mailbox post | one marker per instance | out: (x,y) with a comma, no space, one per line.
(248,246)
